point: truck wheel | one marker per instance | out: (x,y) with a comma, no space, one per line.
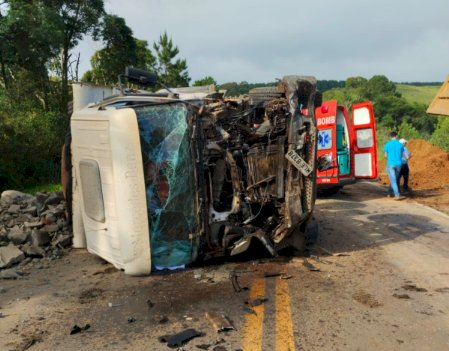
(304,236)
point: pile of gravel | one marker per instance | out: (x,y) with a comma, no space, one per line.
(32,228)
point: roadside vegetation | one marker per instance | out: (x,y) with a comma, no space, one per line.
(39,61)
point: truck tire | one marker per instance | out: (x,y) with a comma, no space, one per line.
(66,175)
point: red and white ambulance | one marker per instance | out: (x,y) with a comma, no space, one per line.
(347,149)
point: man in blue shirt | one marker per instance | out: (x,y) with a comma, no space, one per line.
(393,153)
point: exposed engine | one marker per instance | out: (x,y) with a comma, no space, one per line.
(247,186)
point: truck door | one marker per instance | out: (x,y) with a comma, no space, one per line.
(364,141)
(327,166)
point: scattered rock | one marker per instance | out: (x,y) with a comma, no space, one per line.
(13,196)
(49,218)
(160,318)
(17,235)
(33,251)
(39,237)
(62,240)
(33,225)
(10,274)
(50,228)
(13,209)
(10,255)
(401,296)
(76,329)
(442,290)
(52,199)
(32,210)
(412,287)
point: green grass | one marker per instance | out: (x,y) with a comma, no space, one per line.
(41,188)
(419,94)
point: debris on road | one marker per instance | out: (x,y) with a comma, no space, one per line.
(256,302)
(160,318)
(413,287)
(440,290)
(90,294)
(401,296)
(150,304)
(235,283)
(110,304)
(219,321)
(10,274)
(248,310)
(77,329)
(310,266)
(273,274)
(366,299)
(179,339)
(131,320)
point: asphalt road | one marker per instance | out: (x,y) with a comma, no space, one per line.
(378,279)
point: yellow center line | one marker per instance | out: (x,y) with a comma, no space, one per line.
(252,339)
(285,340)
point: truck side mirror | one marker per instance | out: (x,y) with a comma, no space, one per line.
(140,77)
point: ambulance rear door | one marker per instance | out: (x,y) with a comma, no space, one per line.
(327,166)
(364,145)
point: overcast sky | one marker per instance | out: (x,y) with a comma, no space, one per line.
(258,41)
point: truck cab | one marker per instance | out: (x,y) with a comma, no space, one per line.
(163,179)
(346,145)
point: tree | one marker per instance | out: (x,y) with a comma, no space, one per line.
(30,38)
(355,82)
(171,71)
(121,50)
(379,86)
(440,137)
(77,19)
(208,80)
(407,131)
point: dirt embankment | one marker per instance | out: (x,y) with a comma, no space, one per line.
(429,166)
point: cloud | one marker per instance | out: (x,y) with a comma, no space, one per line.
(257,41)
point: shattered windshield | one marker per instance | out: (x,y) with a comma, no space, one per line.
(169,182)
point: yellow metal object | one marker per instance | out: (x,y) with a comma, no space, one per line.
(440,104)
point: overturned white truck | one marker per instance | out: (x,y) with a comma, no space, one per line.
(163,179)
